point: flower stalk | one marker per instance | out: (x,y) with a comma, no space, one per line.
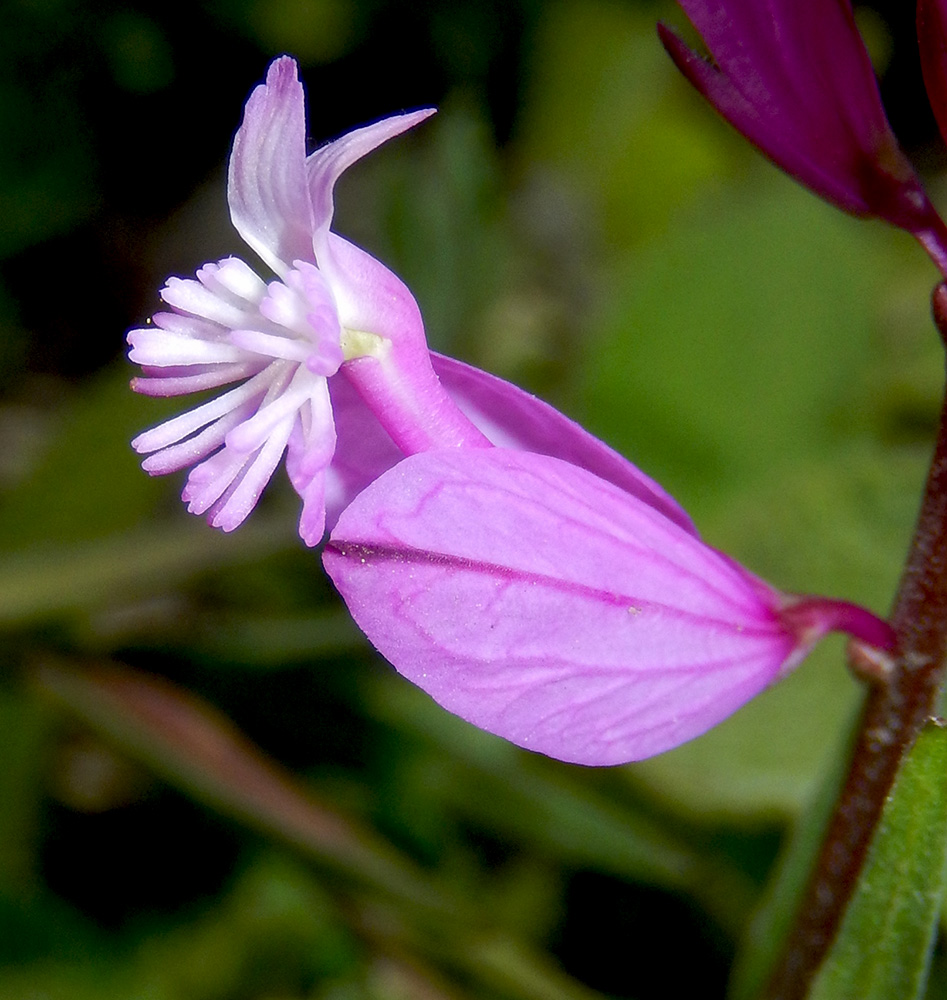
(895,711)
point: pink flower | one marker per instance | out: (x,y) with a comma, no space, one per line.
(552,608)
(329,361)
(331,307)
(524,574)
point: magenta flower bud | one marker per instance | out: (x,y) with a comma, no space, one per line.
(546,605)
(932,42)
(794,77)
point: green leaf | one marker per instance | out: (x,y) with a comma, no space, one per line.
(46,583)
(26,732)
(557,810)
(710,369)
(631,155)
(763,939)
(275,927)
(87,483)
(191,744)
(884,946)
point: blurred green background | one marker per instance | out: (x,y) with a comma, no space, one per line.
(574,220)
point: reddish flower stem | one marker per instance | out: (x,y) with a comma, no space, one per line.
(894,713)
(934,241)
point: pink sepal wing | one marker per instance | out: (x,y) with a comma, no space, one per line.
(513,418)
(545,605)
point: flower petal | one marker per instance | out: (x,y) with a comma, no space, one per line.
(794,77)
(191,378)
(508,416)
(212,479)
(160,349)
(370,297)
(363,450)
(283,403)
(218,306)
(932,41)
(191,421)
(397,381)
(327,164)
(545,605)
(310,452)
(235,505)
(267,189)
(513,418)
(198,446)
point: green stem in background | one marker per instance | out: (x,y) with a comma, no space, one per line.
(395,904)
(895,712)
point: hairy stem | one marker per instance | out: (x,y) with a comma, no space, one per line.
(894,714)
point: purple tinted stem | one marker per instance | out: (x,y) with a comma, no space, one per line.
(820,615)
(894,714)
(934,241)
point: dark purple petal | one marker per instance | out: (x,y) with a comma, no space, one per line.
(546,605)
(776,139)
(794,77)
(932,40)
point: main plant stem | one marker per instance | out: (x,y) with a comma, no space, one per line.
(894,713)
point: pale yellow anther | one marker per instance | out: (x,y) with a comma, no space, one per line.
(359,344)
